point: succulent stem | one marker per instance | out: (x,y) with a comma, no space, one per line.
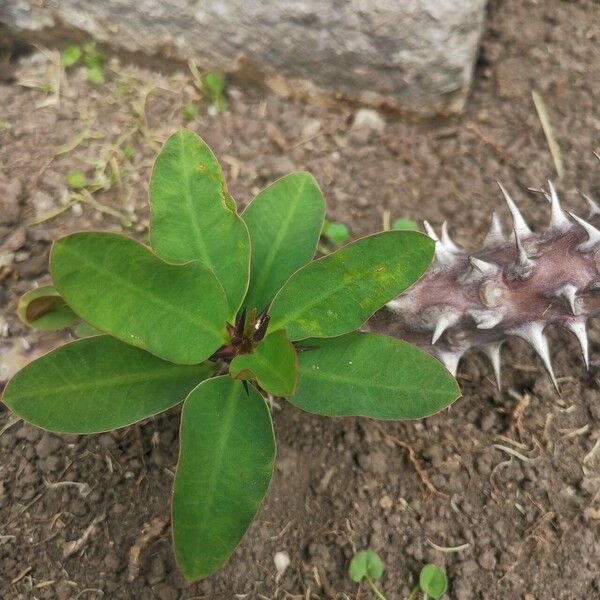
(512,287)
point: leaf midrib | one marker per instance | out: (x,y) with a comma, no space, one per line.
(153,298)
(366,384)
(258,287)
(219,454)
(293,316)
(196,228)
(122,380)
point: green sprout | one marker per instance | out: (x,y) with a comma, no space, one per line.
(189,111)
(213,87)
(405,223)
(432,581)
(92,60)
(221,312)
(367,565)
(76,180)
(336,233)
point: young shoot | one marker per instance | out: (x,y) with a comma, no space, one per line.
(219,312)
(367,565)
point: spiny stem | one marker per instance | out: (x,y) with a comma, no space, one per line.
(514,286)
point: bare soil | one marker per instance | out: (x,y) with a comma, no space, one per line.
(521,523)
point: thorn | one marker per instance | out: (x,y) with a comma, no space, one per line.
(523,266)
(593,234)
(492,351)
(446,320)
(558,218)
(569,293)
(578,328)
(450,360)
(495,236)
(486,319)
(447,240)
(486,268)
(442,254)
(430,231)
(533,334)
(522,254)
(395,305)
(594,208)
(479,270)
(519,224)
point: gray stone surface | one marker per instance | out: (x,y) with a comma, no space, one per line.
(416,55)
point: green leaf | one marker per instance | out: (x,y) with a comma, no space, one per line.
(432,581)
(193,215)
(336,233)
(220,104)
(189,111)
(97,384)
(273,364)
(117,285)
(44,308)
(213,84)
(405,224)
(284,221)
(85,330)
(95,74)
(226,456)
(76,180)
(371,375)
(70,55)
(339,292)
(365,564)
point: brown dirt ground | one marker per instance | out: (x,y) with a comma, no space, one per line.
(528,526)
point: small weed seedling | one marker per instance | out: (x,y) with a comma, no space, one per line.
(219,311)
(76,180)
(189,111)
(404,223)
(366,565)
(336,233)
(91,58)
(211,85)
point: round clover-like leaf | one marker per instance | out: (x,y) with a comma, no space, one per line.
(194,217)
(97,384)
(273,364)
(432,580)
(337,293)
(177,312)
(226,456)
(284,221)
(372,375)
(337,233)
(365,564)
(44,308)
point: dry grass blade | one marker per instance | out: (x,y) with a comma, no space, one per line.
(512,452)
(151,531)
(549,133)
(449,549)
